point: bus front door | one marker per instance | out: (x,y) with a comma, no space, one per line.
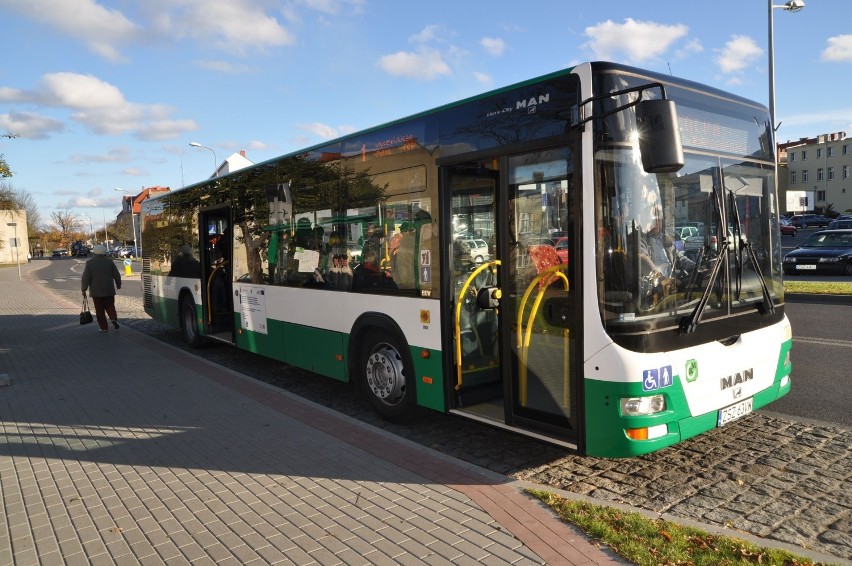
(515,322)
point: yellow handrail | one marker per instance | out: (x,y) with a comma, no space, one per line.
(525,330)
(461,297)
(209,284)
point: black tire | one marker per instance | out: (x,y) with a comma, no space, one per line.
(804,224)
(189,323)
(386,375)
(848,269)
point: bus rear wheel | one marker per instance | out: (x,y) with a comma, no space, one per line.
(189,323)
(387,376)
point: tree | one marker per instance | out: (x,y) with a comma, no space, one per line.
(5,170)
(19,199)
(66,223)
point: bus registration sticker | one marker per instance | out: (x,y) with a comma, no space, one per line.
(736,411)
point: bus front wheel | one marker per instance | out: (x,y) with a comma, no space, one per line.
(189,323)
(387,376)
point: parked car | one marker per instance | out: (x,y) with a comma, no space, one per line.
(826,251)
(126,251)
(686,231)
(478,250)
(562,249)
(809,220)
(59,253)
(787,229)
(840,223)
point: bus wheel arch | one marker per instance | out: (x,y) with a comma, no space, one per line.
(381,367)
(188,318)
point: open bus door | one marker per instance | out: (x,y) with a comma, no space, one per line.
(515,322)
(217,294)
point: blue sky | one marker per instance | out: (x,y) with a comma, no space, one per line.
(107,94)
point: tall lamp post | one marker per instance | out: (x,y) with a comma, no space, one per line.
(215,161)
(106,236)
(91,231)
(136,241)
(17,246)
(790,6)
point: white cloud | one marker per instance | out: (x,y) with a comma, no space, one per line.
(483,78)
(235,26)
(493,45)
(325,131)
(428,34)
(426,64)
(117,155)
(100,106)
(739,52)
(102,29)
(633,41)
(29,125)
(839,49)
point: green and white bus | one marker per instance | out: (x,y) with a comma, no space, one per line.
(352,259)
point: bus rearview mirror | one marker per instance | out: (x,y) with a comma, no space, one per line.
(659,136)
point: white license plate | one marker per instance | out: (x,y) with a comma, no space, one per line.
(805,266)
(732,413)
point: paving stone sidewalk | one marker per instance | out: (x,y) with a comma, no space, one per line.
(118,449)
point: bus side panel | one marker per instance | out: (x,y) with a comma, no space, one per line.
(165,310)
(428,371)
(270,344)
(315,349)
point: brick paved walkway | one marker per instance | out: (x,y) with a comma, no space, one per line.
(118,449)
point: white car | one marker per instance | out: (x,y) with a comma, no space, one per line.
(478,249)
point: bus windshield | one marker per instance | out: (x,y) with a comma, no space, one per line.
(679,250)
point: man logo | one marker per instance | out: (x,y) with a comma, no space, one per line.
(736,379)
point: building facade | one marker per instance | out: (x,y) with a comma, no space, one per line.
(821,166)
(14,237)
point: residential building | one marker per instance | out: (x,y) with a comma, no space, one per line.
(820,165)
(131,207)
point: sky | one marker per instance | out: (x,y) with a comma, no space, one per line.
(108,94)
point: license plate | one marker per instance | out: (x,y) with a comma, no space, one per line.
(805,266)
(734,412)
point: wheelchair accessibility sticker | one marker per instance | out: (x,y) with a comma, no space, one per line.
(656,378)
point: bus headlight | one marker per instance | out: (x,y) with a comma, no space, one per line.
(633,406)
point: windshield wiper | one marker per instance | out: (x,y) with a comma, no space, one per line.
(766,307)
(690,322)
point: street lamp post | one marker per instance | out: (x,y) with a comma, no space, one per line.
(215,161)
(106,236)
(790,6)
(136,241)
(91,230)
(17,246)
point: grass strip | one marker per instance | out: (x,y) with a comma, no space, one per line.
(652,542)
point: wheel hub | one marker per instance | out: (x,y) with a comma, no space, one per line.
(385,375)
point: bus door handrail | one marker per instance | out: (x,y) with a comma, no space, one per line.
(457,320)
(525,330)
(216,268)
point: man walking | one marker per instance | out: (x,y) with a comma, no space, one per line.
(99,275)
